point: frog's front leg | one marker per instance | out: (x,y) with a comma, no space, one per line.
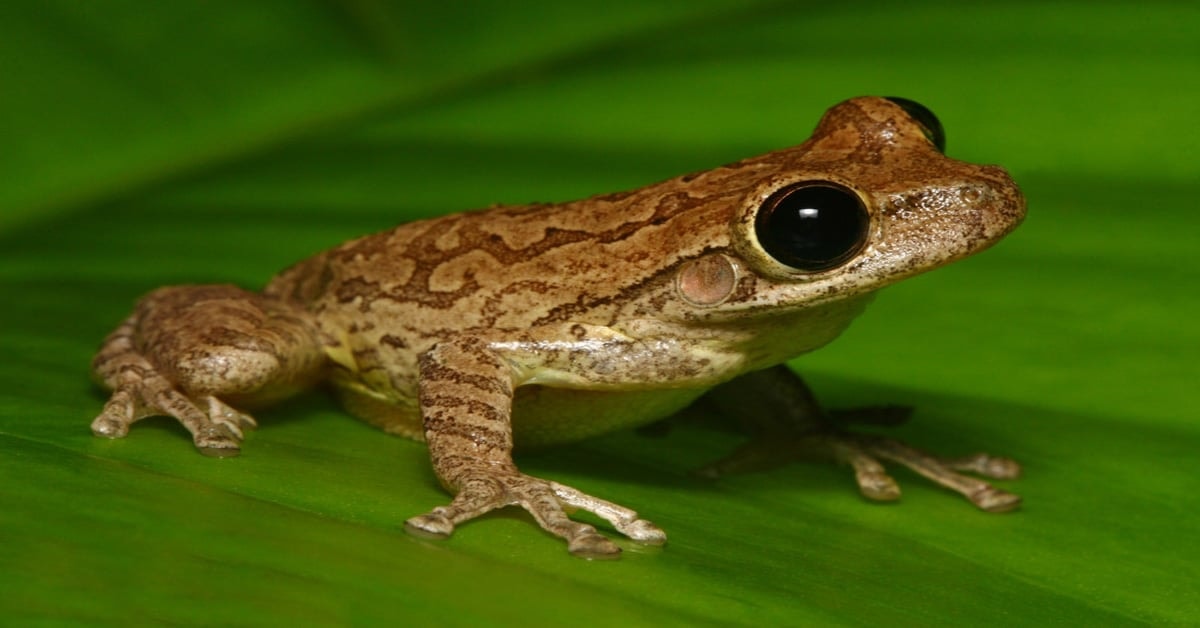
(789,421)
(466,391)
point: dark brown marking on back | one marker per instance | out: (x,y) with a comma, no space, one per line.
(396,342)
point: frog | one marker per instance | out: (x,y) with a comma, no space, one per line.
(535,325)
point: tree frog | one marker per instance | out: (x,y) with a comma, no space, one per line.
(547,323)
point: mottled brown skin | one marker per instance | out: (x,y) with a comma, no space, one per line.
(551,323)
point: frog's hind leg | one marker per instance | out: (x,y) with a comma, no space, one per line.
(190,351)
(791,425)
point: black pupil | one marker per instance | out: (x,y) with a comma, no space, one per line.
(812,227)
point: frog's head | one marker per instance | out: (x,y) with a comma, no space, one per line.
(870,199)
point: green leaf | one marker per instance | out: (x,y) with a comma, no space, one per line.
(150,144)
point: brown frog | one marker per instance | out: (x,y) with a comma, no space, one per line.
(547,323)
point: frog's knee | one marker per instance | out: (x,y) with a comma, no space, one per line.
(226,371)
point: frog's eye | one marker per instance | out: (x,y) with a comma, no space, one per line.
(924,117)
(812,226)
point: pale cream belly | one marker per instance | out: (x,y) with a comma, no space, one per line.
(542,416)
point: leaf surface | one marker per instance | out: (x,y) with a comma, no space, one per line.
(219,142)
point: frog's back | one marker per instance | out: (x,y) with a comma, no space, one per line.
(509,267)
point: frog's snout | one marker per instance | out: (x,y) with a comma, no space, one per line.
(1006,203)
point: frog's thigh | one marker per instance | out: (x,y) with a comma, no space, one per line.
(188,351)
(222,340)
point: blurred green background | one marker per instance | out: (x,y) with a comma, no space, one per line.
(144,144)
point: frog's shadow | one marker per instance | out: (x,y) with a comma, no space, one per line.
(669,453)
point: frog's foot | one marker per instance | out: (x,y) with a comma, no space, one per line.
(484,491)
(863,453)
(216,428)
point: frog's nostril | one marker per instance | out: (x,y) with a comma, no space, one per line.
(1004,201)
